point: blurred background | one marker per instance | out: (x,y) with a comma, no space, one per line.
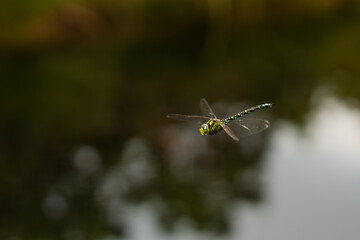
(87,152)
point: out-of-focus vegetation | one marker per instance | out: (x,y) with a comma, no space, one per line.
(105,73)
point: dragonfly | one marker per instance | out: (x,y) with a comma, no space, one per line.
(235,126)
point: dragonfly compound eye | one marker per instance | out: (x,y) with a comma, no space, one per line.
(204,130)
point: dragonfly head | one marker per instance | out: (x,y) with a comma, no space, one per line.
(204,129)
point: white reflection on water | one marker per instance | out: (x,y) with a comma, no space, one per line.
(133,170)
(142,224)
(312,180)
(55,206)
(87,160)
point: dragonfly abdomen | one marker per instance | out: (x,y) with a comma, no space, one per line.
(247,111)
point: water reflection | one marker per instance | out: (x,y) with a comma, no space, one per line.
(55,206)
(311,178)
(132,173)
(87,161)
(183,145)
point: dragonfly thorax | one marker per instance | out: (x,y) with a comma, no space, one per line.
(204,129)
(211,127)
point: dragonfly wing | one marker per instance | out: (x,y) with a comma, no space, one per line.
(206,109)
(228,131)
(246,127)
(187,117)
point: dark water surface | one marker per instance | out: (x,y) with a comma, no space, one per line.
(87,152)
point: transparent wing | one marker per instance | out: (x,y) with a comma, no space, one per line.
(228,131)
(187,117)
(246,127)
(206,109)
